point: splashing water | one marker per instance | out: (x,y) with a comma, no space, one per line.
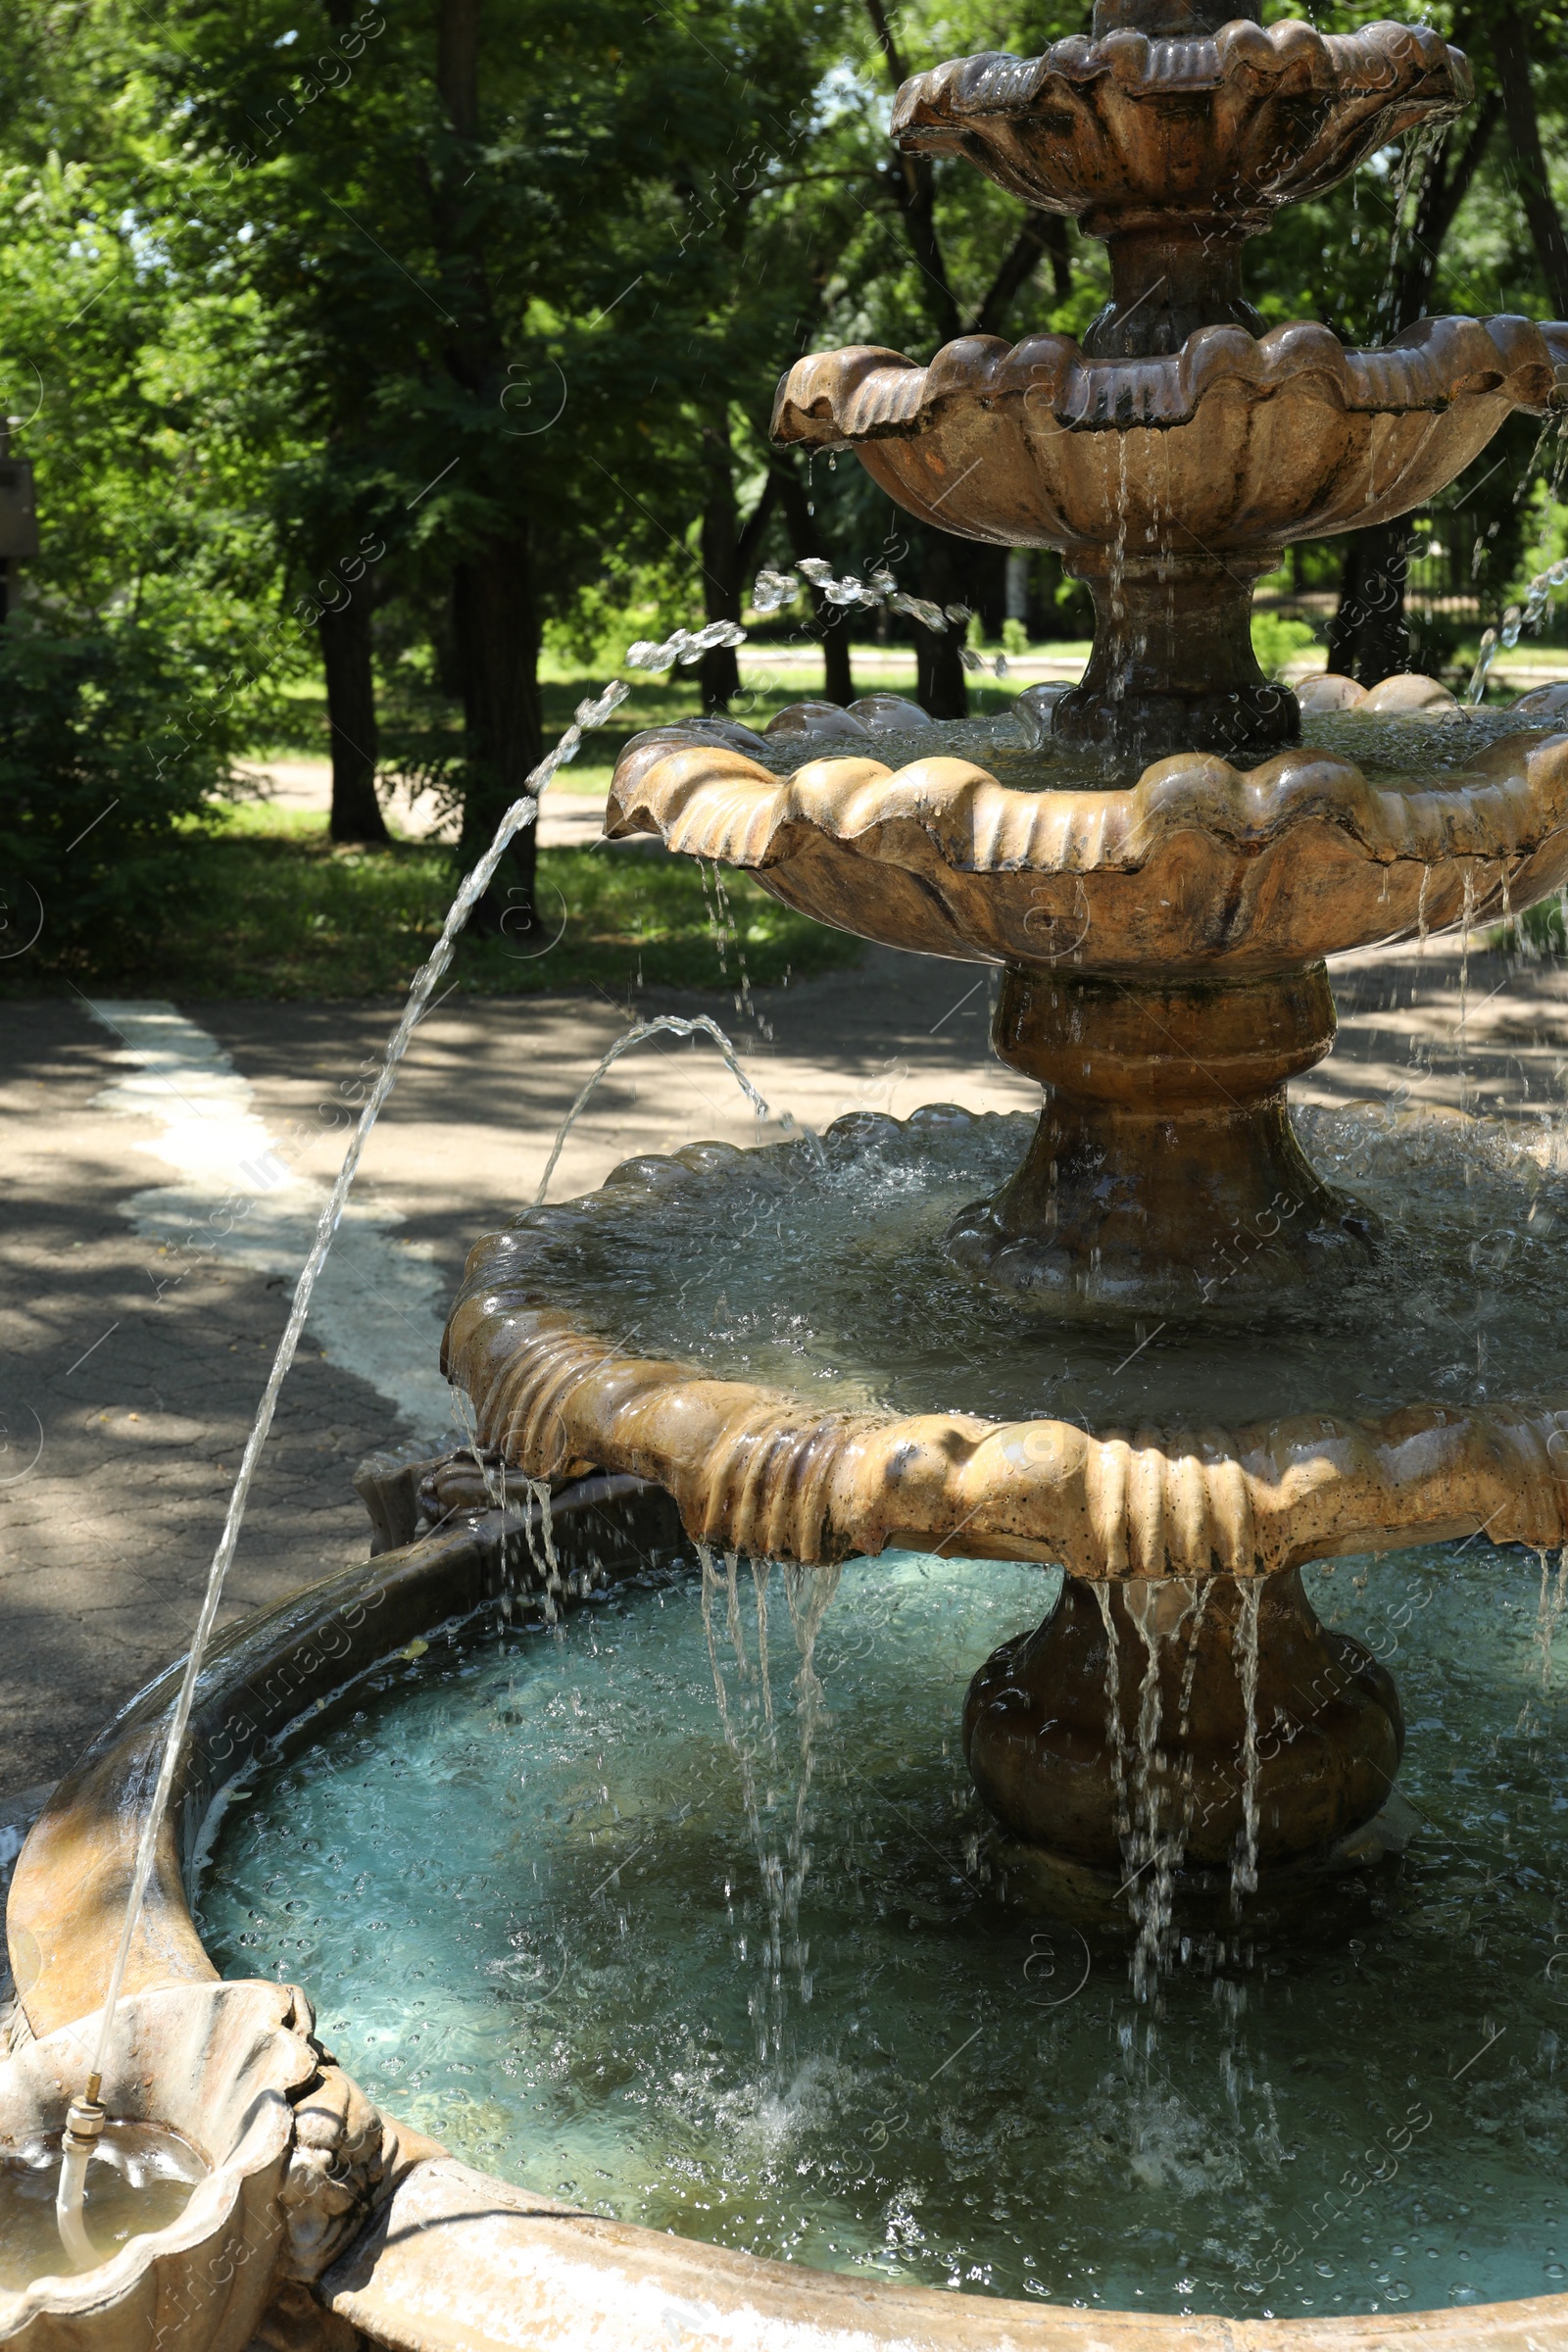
(685,647)
(1148,1853)
(773,590)
(808,1592)
(764,2005)
(1549,1609)
(492,1470)
(782,1878)
(671,1024)
(761,1570)
(1116,1733)
(542,1548)
(1515,620)
(1422,154)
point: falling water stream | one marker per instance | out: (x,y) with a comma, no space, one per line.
(1517,618)
(84,2142)
(665,1024)
(1243,1872)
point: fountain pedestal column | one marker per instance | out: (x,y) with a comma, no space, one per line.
(1172,667)
(1120,1725)
(1165,1172)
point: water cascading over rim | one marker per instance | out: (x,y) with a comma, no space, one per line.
(1173,134)
(1161,892)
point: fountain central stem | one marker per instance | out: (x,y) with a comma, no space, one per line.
(1208,1718)
(1170,274)
(1165,1172)
(1172,666)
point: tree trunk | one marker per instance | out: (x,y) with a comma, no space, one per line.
(350,720)
(828,623)
(1368,637)
(1510,50)
(941,686)
(495,607)
(1369,628)
(498,647)
(719,672)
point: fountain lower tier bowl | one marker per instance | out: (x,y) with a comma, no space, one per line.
(537,1878)
(812,1369)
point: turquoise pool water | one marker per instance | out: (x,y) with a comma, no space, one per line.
(755,1974)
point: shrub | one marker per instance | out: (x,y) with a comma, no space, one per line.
(105,764)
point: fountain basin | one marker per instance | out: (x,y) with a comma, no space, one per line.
(776,1432)
(457,2261)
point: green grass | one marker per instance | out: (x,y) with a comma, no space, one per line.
(280,913)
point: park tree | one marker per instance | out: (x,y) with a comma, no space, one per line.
(486,233)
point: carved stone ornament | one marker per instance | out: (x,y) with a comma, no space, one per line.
(1198,867)
(342,2164)
(222,2065)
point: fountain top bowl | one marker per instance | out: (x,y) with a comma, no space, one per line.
(1227,122)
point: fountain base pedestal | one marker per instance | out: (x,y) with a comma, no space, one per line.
(1165,1173)
(1215,1723)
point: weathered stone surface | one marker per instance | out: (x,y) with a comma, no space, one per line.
(761,1471)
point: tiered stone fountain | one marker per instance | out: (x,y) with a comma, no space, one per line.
(1159,878)
(1159,885)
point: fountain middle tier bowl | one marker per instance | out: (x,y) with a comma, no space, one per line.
(814,1377)
(969,841)
(1229,445)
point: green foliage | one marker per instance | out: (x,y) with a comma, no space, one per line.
(99,782)
(1278,639)
(267,304)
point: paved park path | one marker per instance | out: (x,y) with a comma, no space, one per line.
(139,1315)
